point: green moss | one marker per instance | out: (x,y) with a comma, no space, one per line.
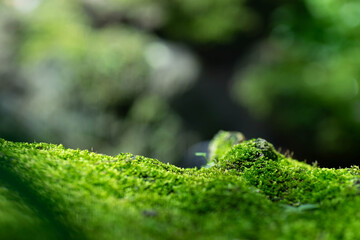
(18,221)
(286,180)
(251,192)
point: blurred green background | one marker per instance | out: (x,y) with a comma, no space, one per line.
(156,77)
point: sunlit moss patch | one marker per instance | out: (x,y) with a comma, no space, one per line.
(250,192)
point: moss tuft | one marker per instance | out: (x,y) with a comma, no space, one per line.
(249,153)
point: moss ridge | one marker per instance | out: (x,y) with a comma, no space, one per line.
(250,192)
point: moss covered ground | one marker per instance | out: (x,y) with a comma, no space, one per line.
(247,191)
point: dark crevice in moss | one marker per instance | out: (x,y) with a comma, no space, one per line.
(37,203)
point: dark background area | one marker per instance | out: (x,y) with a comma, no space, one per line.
(157,78)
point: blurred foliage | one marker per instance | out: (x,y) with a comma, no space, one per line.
(104,74)
(200,21)
(105,88)
(96,74)
(305,78)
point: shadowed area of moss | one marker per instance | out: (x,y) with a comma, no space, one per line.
(18,221)
(250,192)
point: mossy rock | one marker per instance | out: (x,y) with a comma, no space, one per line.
(250,192)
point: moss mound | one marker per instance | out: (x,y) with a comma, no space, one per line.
(250,191)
